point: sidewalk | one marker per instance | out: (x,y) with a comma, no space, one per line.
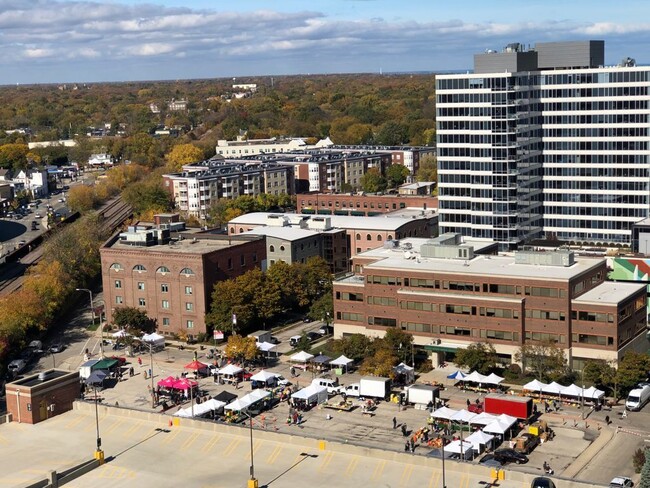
(588,454)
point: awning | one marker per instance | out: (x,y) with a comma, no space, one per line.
(106,364)
(341,361)
(263,376)
(230,369)
(265,346)
(443,413)
(534,386)
(302,357)
(443,347)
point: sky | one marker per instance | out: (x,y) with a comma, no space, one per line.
(50,41)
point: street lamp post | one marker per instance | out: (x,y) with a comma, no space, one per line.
(442,452)
(92,318)
(153,391)
(252,482)
(99,454)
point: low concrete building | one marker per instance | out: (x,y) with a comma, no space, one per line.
(40,396)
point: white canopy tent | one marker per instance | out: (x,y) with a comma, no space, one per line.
(342,361)
(484,419)
(264,376)
(456,447)
(594,393)
(265,346)
(120,334)
(534,386)
(572,390)
(475,377)
(407,371)
(156,340)
(496,427)
(201,409)
(509,420)
(480,439)
(553,388)
(463,416)
(301,357)
(256,395)
(311,394)
(493,379)
(230,370)
(238,405)
(444,413)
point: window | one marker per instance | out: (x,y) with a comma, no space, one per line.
(229,263)
(242,260)
(187,272)
(382,321)
(142,302)
(188,290)
(140,285)
(189,306)
(139,268)
(368,237)
(281,248)
(254,257)
(189,324)
(116,267)
(118,300)
(118,284)
(165,304)
(163,269)
(164,288)
(358,236)
(166,322)
(271,248)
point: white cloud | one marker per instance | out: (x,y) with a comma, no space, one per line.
(149,49)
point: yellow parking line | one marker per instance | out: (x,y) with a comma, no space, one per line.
(113,426)
(4,440)
(406,475)
(434,478)
(232,446)
(256,446)
(135,428)
(326,461)
(379,469)
(190,441)
(275,454)
(211,443)
(464,481)
(75,422)
(352,466)
(171,436)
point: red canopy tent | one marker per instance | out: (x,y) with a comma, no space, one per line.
(196,365)
(184,384)
(167,382)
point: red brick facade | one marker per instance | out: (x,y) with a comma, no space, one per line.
(366,205)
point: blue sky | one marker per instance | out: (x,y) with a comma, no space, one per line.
(50,41)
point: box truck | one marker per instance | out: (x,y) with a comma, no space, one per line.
(515,406)
(422,394)
(370,386)
(637,398)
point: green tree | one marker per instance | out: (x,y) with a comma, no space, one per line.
(632,369)
(354,346)
(381,363)
(133,320)
(600,374)
(392,133)
(644,482)
(545,360)
(397,341)
(288,280)
(396,174)
(479,356)
(323,309)
(227,300)
(147,195)
(304,344)
(373,181)
(428,170)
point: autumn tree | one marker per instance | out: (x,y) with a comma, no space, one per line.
(13,156)
(381,363)
(373,181)
(396,175)
(133,320)
(545,360)
(428,170)
(147,195)
(479,356)
(399,342)
(241,348)
(81,198)
(183,154)
(354,346)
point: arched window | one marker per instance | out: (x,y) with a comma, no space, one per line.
(139,267)
(390,237)
(116,267)
(368,237)
(241,231)
(163,269)
(187,272)
(281,248)
(271,248)
(232,230)
(378,237)
(358,236)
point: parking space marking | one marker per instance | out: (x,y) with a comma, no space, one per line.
(114,426)
(190,440)
(134,429)
(76,421)
(326,461)
(434,478)
(4,440)
(464,480)
(212,442)
(275,454)
(231,447)
(352,465)
(379,469)
(171,437)
(256,446)
(406,475)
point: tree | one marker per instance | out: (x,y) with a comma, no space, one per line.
(545,360)
(397,341)
(226,301)
(354,346)
(322,308)
(183,154)
(288,280)
(392,133)
(132,319)
(380,363)
(242,348)
(600,374)
(81,198)
(147,195)
(373,181)
(480,356)
(632,368)
(644,482)
(428,170)
(396,174)
(304,344)
(13,156)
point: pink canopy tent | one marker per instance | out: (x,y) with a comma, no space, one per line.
(167,382)
(184,384)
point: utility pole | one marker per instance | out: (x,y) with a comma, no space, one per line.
(153,392)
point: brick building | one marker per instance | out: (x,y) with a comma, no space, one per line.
(448,296)
(171,274)
(40,396)
(360,204)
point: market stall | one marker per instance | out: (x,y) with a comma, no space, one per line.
(464,448)
(342,361)
(480,441)
(309,397)
(301,358)
(230,373)
(264,379)
(156,341)
(209,408)
(443,413)
(404,374)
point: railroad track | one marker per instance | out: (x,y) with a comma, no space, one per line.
(114,213)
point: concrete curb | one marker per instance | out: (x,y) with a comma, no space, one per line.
(588,454)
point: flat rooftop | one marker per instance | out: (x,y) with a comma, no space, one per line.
(609,293)
(286,233)
(502,265)
(200,244)
(34,380)
(378,222)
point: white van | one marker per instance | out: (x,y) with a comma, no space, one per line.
(293,341)
(333,387)
(16,366)
(637,398)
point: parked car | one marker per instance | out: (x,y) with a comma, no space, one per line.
(621,482)
(489,460)
(282,381)
(542,482)
(17,366)
(313,336)
(274,340)
(293,341)
(306,320)
(326,330)
(57,347)
(510,456)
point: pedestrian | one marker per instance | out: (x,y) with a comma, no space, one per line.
(477,401)
(404,431)
(535,409)
(430,406)
(394,423)
(468,403)
(131,371)
(425,435)
(407,446)
(140,362)
(606,419)
(412,445)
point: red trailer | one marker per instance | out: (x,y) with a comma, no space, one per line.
(515,406)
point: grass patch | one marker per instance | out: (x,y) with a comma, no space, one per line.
(94,326)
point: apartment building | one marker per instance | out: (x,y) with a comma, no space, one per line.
(201,185)
(408,156)
(544,142)
(447,295)
(170,273)
(361,204)
(251,147)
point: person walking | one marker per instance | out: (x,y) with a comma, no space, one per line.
(140,361)
(606,419)
(404,431)
(468,403)
(394,423)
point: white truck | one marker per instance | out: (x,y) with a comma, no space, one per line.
(369,386)
(638,397)
(422,394)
